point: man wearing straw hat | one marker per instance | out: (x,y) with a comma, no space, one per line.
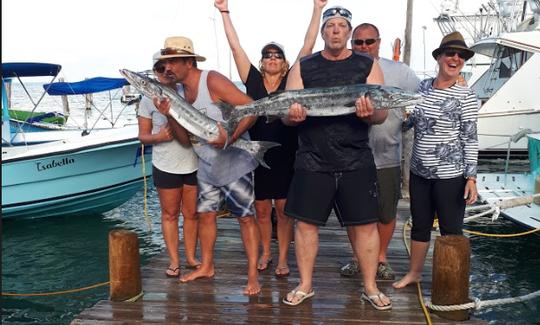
(224,173)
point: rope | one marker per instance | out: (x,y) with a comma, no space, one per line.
(135,298)
(54,293)
(478,304)
(501,235)
(145,200)
(418,285)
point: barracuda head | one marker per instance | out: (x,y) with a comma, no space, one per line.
(395,97)
(142,83)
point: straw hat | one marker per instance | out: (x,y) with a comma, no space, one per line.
(453,40)
(177,47)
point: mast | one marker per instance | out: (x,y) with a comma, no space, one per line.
(408,28)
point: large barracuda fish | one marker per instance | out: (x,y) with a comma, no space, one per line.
(192,119)
(327,101)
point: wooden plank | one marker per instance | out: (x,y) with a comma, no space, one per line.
(220,300)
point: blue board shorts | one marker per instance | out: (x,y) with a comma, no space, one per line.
(238,195)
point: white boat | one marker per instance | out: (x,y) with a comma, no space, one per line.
(509,189)
(509,36)
(69,171)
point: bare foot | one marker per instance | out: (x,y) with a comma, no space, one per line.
(282,271)
(252,288)
(264,261)
(193,263)
(407,279)
(198,274)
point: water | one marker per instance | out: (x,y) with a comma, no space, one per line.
(54,254)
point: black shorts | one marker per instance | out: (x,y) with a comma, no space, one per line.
(168,180)
(353,195)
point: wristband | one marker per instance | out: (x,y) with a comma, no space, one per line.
(225,11)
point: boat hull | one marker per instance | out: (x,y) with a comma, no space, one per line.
(87,177)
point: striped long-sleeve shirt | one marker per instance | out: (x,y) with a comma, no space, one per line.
(445,132)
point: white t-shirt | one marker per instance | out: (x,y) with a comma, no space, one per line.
(171,156)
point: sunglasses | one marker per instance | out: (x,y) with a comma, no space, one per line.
(159,68)
(368,41)
(334,11)
(451,53)
(268,55)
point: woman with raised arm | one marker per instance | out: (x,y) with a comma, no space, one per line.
(271,184)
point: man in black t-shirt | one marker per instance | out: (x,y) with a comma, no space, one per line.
(334,164)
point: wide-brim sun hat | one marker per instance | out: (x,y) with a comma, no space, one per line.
(273,45)
(177,47)
(455,41)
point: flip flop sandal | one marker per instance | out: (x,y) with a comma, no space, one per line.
(300,295)
(176,272)
(371,298)
(280,274)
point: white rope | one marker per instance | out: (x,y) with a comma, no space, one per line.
(496,207)
(478,304)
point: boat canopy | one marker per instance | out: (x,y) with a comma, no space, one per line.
(524,41)
(29,69)
(88,86)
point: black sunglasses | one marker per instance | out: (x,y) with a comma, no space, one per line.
(268,55)
(368,41)
(341,11)
(159,68)
(451,53)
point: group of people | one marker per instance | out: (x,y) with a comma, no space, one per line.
(347,163)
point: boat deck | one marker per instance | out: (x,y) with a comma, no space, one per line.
(495,187)
(220,300)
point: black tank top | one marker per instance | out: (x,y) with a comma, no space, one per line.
(336,143)
(278,158)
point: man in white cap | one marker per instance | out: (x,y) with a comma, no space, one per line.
(224,173)
(335,159)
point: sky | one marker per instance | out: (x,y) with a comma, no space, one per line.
(99,37)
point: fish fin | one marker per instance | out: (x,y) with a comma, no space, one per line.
(260,150)
(226,110)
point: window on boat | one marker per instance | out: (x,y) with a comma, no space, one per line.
(505,63)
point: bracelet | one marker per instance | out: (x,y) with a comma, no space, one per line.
(225,11)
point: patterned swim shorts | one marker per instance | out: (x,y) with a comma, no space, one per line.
(238,195)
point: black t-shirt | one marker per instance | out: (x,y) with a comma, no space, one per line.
(336,143)
(276,131)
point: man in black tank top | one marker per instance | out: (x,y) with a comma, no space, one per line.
(334,164)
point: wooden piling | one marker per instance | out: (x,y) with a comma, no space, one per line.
(450,278)
(124,265)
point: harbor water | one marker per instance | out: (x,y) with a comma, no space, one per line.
(55,254)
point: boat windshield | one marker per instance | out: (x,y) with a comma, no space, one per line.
(506,62)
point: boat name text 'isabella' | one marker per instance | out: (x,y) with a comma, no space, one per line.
(54,163)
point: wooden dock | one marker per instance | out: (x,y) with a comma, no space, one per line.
(220,300)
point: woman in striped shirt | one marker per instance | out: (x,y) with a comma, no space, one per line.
(445,153)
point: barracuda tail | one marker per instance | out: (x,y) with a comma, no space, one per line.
(258,149)
(227,111)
